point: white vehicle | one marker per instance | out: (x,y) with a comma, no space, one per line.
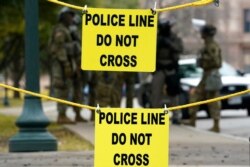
(233,81)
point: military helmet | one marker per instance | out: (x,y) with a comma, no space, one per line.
(167,24)
(63,11)
(164,27)
(209,30)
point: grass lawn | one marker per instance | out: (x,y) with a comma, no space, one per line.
(15,102)
(67,141)
(12,102)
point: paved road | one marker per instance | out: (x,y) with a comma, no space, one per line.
(188,146)
(233,122)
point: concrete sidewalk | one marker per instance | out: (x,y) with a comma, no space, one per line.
(193,147)
(187,147)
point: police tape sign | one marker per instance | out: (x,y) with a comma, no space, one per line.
(119,40)
(131,137)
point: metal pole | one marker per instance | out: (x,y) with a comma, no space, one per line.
(32,135)
(6,99)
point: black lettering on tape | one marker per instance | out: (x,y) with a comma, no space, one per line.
(106,40)
(118,138)
(116,160)
(88,18)
(105,20)
(102,60)
(111,59)
(141,20)
(140,138)
(101,117)
(119,118)
(126,61)
(146,159)
(133,61)
(118,60)
(151,21)
(123,159)
(126,40)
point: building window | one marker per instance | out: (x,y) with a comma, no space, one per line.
(247,20)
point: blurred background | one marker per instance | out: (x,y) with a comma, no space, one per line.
(232,19)
(12,38)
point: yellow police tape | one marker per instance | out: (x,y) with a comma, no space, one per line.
(47,97)
(191,4)
(93,108)
(67,4)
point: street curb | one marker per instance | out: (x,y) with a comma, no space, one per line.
(217,134)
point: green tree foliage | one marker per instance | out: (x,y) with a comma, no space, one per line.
(12,43)
(12,28)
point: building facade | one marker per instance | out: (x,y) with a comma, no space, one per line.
(232,19)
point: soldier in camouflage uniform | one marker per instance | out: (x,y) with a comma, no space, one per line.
(62,51)
(169,47)
(129,80)
(106,93)
(104,89)
(210,84)
(80,77)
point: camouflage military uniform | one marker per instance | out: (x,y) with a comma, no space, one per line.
(210,62)
(104,89)
(80,77)
(127,78)
(62,65)
(64,48)
(169,47)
